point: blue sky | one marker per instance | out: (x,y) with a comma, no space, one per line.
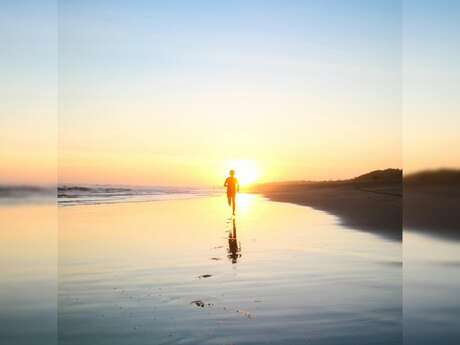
(431,76)
(321,76)
(28,91)
(325,78)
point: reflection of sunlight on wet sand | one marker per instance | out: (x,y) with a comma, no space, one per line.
(28,273)
(244,203)
(162,231)
(28,241)
(137,260)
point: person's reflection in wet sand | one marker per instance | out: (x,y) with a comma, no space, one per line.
(234,248)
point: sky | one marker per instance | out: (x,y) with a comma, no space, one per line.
(28,92)
(178,92)
(431,79)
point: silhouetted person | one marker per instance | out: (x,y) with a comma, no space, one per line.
(234,249)
(233,186)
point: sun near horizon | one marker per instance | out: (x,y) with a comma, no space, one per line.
(175,107)
(246,171)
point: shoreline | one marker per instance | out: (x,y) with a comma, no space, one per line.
(433,210)
(371,202)
(377,210)
(374,202)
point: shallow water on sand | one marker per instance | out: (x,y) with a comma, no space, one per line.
(28,273)
(186,272)
(431,290)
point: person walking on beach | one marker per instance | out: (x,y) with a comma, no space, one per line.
(233,186)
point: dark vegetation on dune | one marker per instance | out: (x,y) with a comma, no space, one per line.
(433,177)
(376,177)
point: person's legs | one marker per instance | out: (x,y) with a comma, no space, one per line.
(229,198)
(233,203)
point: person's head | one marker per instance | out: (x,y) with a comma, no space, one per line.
(232,172)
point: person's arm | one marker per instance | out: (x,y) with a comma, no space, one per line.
(226,182)
(238,186)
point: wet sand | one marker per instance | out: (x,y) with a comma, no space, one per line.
(28,273)
(431,284)
(432,203)
(374,203)
(186,272)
